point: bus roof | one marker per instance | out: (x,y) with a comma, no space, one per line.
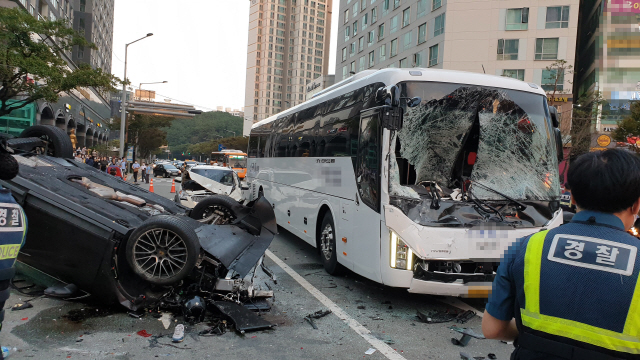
(392,76)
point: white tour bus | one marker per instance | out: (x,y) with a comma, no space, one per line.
(413,178)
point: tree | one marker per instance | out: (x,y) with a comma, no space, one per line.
(629,126)
(585,113)
(32,67)
(204,127)
(236,143)
(146,132)
(558,69)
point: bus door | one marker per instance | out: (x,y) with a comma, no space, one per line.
(366,219)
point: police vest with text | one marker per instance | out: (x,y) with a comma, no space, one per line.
(13,227)
(571,314)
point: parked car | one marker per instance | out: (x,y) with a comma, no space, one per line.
(165,170)
(202,181)
(101,237)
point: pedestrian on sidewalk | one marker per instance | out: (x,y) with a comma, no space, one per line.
(143,171)
(135,167)
(123,166)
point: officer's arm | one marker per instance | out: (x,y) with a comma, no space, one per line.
(493,328)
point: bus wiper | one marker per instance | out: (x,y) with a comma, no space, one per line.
(520,206)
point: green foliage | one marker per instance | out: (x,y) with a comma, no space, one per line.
(236,143)
(208,127)
(630,125)
(27,50)
(147,132)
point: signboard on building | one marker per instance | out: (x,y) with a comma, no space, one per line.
(130,153)
(146,95)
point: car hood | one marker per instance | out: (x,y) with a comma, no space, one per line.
(211,185)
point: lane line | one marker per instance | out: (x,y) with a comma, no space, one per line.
(385,349)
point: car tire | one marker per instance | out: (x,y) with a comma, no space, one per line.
(165,240)
(59,143)
(327,242)
(215,209)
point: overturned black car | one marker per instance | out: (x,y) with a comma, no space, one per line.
(115,242)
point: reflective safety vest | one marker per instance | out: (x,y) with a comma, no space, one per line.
(599,255)
(13,231)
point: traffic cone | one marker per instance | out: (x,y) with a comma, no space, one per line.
(151,186)
(173,186)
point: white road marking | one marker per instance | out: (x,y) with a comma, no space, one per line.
(385,349)
(453,301)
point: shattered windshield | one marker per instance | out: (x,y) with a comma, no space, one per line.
(224,177)
(496,137)
(462,142)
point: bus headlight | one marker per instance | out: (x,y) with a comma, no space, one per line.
(401,254)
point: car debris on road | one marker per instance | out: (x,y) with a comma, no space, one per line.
(316,315)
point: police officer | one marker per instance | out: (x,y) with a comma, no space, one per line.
(13,229)
(573,292)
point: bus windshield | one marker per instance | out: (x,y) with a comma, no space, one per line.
(461,135)
(238,161)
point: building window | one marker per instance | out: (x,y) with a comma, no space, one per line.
(344,54)
(508,49)
(422,8)
(557,17)
(372,37)
(517,19)
(363,4)
(346,16)
(383,52)
(436,4)
(406,16)
(80,52)
(355,28)
(353,48)
(385,7)
(353,67)
(394,48)
(361,43)
(372,59)
(514,73)
(404,63)
(547,49)
(422,33)
(361,63)
(345,72)
(551,81)
(347,32)
(396,3)
(365,21)
(355,9)
(374,15)
(394,24)
(407,41)
(417,59)
(433,55)
(381,31)
(439,25)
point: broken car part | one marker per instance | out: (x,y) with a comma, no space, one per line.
(467,334)
(242,318)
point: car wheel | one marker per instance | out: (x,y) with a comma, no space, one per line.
(58,143)
(327,241)
(216,209)
(163,250)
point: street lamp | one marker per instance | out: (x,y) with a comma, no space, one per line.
(124,95)
(234,133)
(157,82)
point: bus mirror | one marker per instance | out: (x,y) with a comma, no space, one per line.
(559,148)
(389,95)
(392,117)
(554,116)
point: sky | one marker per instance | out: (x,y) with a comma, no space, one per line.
(199,47)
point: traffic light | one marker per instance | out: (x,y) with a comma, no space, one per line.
(182,154)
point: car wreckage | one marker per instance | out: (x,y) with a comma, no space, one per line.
(108,239)
(201,181)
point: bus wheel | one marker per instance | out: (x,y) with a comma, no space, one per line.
(328,252)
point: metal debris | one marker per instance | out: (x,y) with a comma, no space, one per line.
(467,334)
(316,315)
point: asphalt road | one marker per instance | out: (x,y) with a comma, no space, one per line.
(366,315)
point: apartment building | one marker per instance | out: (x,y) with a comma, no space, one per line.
(94,19)
(513,38)
(288,47)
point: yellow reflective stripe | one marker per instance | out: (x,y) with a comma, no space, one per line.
(632,324)
(532,264)
(9,251)
(581,332)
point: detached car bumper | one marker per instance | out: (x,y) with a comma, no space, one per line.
(471,289)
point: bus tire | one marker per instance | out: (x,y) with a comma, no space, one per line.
(327,241)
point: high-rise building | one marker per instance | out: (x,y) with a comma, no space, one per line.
(609,59)
(289,43)
(506,37)
(94,19)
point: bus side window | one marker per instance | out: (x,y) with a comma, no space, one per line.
(368,162)
(254,142)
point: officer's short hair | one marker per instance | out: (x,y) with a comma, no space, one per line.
(606,181)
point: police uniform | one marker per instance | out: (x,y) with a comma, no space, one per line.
(13,230)
(573,291)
